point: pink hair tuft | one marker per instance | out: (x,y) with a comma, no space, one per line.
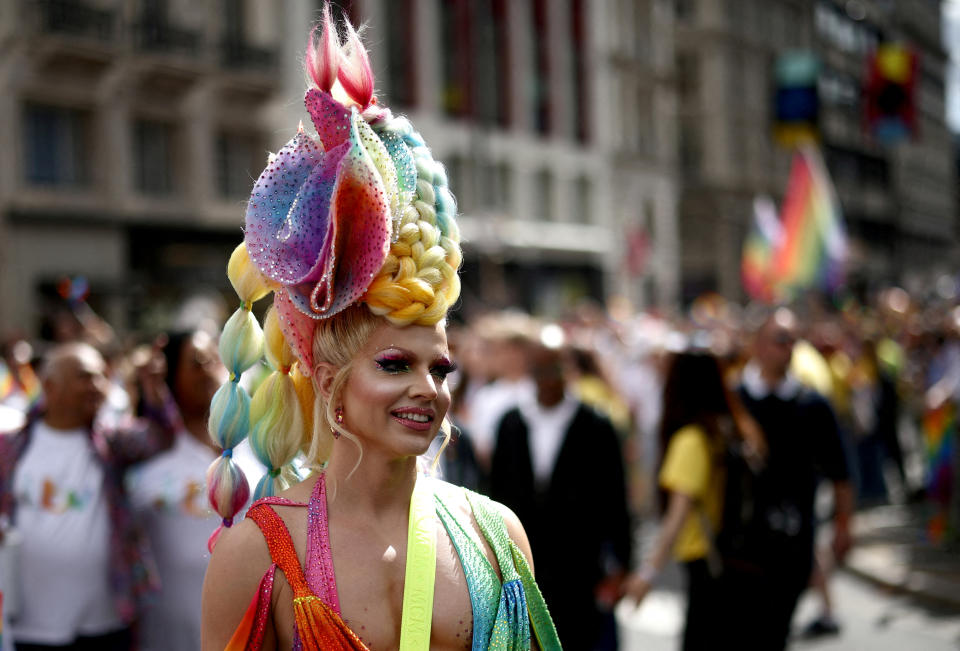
(322,62)
(355,73)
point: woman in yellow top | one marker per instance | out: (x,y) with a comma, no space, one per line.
(699,415)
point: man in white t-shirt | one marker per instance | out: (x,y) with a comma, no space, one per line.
(82,563)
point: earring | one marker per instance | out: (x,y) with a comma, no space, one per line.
(338,416)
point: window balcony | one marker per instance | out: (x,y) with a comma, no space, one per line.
(74,18)
(239,55)
(154,35)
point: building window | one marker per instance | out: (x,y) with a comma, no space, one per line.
(503,196)
(583,201)
(542,117)
(688,78)
(491,61)
(401,61)
(457,63)
(578,28)
(690,148)
(685,10)
(57,145)
(239,161)
(153,157)
(837,28)
(460,175)
(838,88)
(543,196)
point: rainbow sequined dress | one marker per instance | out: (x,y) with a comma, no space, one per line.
(505,614)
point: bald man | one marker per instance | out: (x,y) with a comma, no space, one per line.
(82,559)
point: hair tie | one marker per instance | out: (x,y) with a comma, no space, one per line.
(286,369)
(228,453)
(246,305)
(228,522)
(274,472)
(234,377)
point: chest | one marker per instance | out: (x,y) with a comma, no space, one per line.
(370,584)
(370,568)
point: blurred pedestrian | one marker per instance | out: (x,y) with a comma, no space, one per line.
(698,426)
(168,496)
(508,336)
(83,564)
(558,465)
(768,532)
(874,407)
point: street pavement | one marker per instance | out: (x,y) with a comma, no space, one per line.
(897,591)
(871,619)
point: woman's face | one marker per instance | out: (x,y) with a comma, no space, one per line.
(199,374)
(396,395)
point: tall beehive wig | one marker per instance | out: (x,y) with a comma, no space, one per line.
(359,214)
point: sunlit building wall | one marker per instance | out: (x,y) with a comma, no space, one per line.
(133,131)
(898,201)
(131,134)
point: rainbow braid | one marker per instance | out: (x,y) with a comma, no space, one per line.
(278,422)
(241,346)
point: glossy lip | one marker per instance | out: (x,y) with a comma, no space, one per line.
(412,424)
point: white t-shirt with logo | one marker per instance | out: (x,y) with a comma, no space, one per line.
(63,518)
(169,496)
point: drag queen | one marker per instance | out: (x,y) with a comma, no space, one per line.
(353,233)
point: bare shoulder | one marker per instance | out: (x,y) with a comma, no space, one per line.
(242,544)
(456,499)
(239,561)
(302,490)
(515,530)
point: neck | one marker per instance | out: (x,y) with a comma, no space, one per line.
(771,377)
(549,401)
(378,487)
(197,426)
(53,420)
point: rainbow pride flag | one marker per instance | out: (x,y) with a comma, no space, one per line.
(807,249)
(758,250)
(939,427)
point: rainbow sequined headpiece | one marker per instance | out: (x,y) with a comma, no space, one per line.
(359,214)
(362,213)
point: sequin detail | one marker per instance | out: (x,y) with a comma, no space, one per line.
(504,615)
(320,573)
(406,172)
(330,118)
(521,603)
(317,625)
(320,219)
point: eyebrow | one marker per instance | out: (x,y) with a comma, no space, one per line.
(442,357)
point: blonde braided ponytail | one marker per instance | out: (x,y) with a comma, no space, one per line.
(418,281)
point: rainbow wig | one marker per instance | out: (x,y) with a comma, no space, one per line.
(359,214)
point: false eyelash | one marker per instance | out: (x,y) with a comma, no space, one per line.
(443,370)
(393,364)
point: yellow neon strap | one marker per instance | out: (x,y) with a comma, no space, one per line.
(421,570)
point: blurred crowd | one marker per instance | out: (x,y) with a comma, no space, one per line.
(563,421)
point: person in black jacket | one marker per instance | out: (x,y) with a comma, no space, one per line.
(768,558)
(558,465)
